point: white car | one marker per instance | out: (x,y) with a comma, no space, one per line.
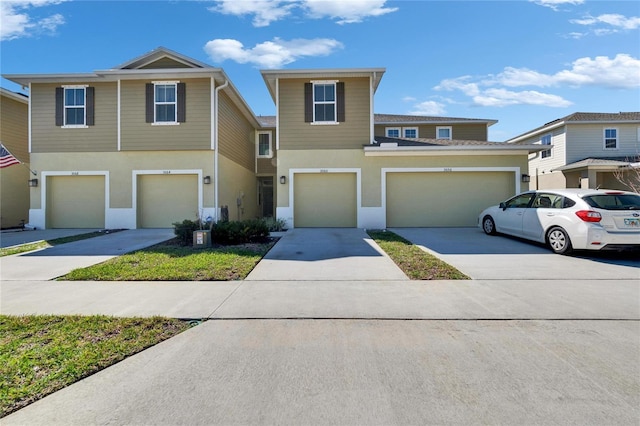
(568,219)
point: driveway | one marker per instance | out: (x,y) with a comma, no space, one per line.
(485,257)
(334,254)
(55,261)
(14,238)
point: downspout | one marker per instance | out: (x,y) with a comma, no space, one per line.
(372,138)
(215,153)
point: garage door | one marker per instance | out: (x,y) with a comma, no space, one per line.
(325,200)
(443,199)
(165,199)
(75,202)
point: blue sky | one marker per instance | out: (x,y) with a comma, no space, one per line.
(523,63)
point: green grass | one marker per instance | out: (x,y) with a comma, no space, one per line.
(414,262)
(42,354)
(23,248)
(171,262)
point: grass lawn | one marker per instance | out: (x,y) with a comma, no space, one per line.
(172,262)
(42,354)
(414,262)
(23,248)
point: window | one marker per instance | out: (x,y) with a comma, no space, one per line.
(264,145)
(443,132)
(520,201)
(552,201)
(546,140)
(410,132)
(610,138)
(74,106)
(324,102)
(392,132)
(166,102)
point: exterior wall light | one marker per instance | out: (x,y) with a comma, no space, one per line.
(33,182)
(283,179)
(206,180)
(526,178)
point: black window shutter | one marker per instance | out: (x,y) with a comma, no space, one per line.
(182,102)
(59,106)
(340,101)
(149,103)
(308,102)
(91,95)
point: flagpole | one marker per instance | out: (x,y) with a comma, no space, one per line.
(32,172)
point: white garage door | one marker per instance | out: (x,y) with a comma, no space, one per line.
(325,200)
(75,202)
(165,199)
(439,199)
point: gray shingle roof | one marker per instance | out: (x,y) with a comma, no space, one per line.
(605,161)
(415,119)
(424,142)
(267,120)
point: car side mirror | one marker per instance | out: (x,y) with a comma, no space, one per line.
(503,206)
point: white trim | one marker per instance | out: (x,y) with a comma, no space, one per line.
(404,130)
(277,114)
(372,127)
(385,170)
(450,128)
(29,118)
(119,118)
(264,132)
(604,139)
(65,107)
(334,83)
(155,104)
(388,129)
(293,172)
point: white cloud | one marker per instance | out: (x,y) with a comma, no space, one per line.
(267,11)
(615,22)
(428,108)
(409,99)
(17,20)
(621,72)
(270,54)
(554,4)
(503,97)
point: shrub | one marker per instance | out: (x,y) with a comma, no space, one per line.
(184,231)
(239,232)
(276,225)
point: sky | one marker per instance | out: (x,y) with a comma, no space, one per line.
(523,63)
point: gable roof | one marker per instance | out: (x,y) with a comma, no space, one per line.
(161,53)
(581,118)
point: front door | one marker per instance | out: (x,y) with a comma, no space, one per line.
(265,196)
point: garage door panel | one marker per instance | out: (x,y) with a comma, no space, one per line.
(75,201)
(424,199)
(165,199)
(325,200)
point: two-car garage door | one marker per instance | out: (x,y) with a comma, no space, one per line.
(440,199)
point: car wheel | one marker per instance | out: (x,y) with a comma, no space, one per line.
(488,225)
(559,241)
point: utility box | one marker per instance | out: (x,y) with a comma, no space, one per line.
(202,239)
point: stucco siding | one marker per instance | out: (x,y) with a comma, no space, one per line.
(296,134)
(238,190)
(587,140)
(47,137)
(236,134)
(138,135)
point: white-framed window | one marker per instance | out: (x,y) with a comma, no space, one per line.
(75,101)
(264,148)
(444,132)
(324,102)
(410,132)
(165,102)
(546,140)
(611,138)
(392,132)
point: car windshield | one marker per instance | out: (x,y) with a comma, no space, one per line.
(614,201)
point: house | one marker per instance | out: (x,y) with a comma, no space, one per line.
(583,150)
(155,140)
(164,137)
(14,179)
(341,165)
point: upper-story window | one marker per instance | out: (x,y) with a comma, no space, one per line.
(392,132)
(324,102)
(264,145)
(610,138)
(546,140)
(166,102)
(444,132)
(401,132)
(410,132)
(74,106)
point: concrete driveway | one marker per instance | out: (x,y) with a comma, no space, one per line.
(55,261)
(14,238)
(334,254)
(485,257)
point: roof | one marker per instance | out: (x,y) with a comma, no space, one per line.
(271,76)
(20,97)
(383,144)
(426,119)
(582,118)
(610,162)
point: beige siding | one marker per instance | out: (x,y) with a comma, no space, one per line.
(296,134)
(236,134)
(195,133)
(47,137)
(477,132)
(75,202)
(14,116)
(165,199)
(164,63)
(587,140)
(325,200)
(266,166)
(540,166)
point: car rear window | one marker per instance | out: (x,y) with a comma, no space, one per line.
(614,201)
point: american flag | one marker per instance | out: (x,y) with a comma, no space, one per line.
(7,159)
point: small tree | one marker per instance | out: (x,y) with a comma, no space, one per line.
(629,175)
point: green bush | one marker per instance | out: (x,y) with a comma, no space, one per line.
(276,225)
(184,231)
(239,232)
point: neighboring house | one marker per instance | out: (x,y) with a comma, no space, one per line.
(14,179)
(583,150)
(158,139)
(340,165)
